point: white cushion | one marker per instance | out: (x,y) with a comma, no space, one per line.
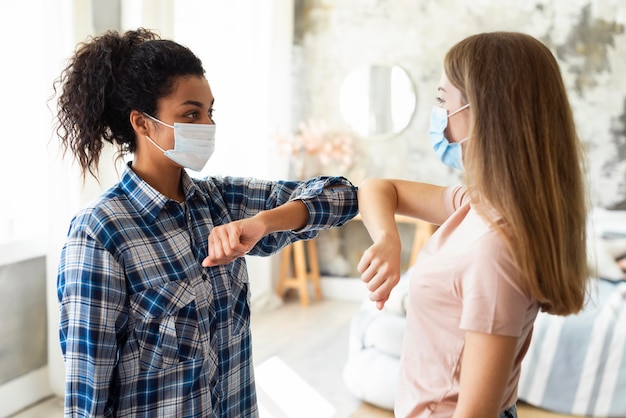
(372,377)
(385,334)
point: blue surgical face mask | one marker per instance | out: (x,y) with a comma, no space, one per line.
(448,152)
(194,143)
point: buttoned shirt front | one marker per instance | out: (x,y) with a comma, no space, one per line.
(145,330)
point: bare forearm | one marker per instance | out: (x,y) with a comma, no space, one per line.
(292,215)
(380,264)
(378,202)
(418,200)
(235,239)
(487,364)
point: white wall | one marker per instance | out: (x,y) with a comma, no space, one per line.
(31,33)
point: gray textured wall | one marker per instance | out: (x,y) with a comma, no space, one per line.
(334,37)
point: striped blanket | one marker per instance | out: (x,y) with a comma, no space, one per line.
(577,364)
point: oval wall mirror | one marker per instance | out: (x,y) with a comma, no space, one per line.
(378,101)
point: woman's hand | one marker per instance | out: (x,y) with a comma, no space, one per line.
(380,269)
(233,240)
(237,238)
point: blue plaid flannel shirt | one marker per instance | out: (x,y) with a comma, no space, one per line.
(145,330)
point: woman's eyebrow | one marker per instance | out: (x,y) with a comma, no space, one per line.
(191,102)
(441,89)
(196,103)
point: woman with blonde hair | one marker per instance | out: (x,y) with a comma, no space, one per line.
(510,242)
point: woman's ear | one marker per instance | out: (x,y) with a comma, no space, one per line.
(139,122)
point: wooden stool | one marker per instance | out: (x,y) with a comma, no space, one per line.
(294,261)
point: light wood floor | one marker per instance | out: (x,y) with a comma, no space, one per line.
(313,343)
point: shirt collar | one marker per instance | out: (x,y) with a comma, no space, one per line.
(147,200)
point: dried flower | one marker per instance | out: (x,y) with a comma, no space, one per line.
(318,148)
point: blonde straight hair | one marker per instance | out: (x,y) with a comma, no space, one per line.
(524,160)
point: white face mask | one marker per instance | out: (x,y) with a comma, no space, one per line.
(194,144)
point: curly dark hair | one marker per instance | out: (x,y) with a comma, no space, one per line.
(107,77)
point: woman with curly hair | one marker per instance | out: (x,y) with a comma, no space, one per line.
(152,282)
(510,242)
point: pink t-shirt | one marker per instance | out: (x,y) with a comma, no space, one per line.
(463,279)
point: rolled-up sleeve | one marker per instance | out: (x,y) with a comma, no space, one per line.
(331,201)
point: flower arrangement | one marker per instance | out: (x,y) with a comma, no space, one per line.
(315,150)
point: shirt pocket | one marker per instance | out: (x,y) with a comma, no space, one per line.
(166,325)
(240,295)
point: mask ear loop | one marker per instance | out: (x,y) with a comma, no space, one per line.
(454,113)
(162,123)
(458,110)
(154,143)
